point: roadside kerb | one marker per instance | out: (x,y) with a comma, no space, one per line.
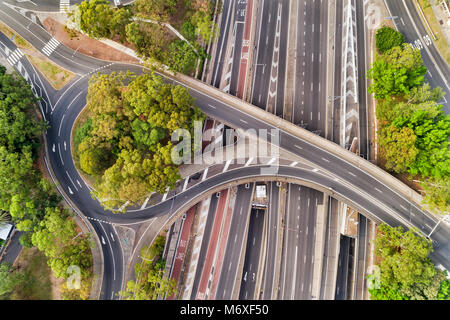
(247,86)
(262,258)
(212,46)
(289,83)
(319,248)
(278,250)
(422,16)
(329,124)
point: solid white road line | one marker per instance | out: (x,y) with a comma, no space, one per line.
(185,184)
(227,165)
(205,173)
(60,154)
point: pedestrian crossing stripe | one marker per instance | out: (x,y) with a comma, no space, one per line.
(64,5)
(50,46)
(14,57)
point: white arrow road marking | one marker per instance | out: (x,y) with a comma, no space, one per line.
(70,190)
(65,148)
(53,148)
(112,237)
(79,184)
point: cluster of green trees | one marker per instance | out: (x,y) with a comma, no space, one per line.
(151,282)
(405,270)
(413,130)
(10,279)
(25,194)
(152,40)
(126,144)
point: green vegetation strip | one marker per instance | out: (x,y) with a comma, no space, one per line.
(18,40)
(413,130)
(151,282)
(441,42)
(55,75)
(152,40)
(29,198)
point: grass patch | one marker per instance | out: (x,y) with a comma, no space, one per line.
(441,42)
(82,118)
(18,40)
(37,285)
(54,74)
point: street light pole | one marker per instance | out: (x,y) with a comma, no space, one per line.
(446,217)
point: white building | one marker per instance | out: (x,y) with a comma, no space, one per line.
(5,230)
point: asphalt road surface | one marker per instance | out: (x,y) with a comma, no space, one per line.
(271,241)
(235,243)
(408,22)
(252,255)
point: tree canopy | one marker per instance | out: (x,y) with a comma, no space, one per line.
(406,271)
(126,145)
(386,38)
(150,281)
(28,198)
(396,72)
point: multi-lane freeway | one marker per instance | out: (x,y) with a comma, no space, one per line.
(327,172)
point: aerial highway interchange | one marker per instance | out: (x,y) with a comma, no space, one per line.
(295,246)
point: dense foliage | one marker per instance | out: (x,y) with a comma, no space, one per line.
(396,72)
(386,38)
(406,271)
(150,281)
(126,142)
(28,197)
(152,40)
(413,132)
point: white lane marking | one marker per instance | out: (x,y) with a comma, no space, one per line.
(249,161)
(185,184)
(112,252)
(243,121)
(298,147)
(71,102)
(65,147)
(227,165)
(324,159)
(205,173)
(71,181)
(378,190)
(50,46)
(60,125)
(165,195)
(79,184)
(403,207)
(211,106)
(145,203)
(112,237)
(293,164)
(271,161)
(60,154)
(351,173)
